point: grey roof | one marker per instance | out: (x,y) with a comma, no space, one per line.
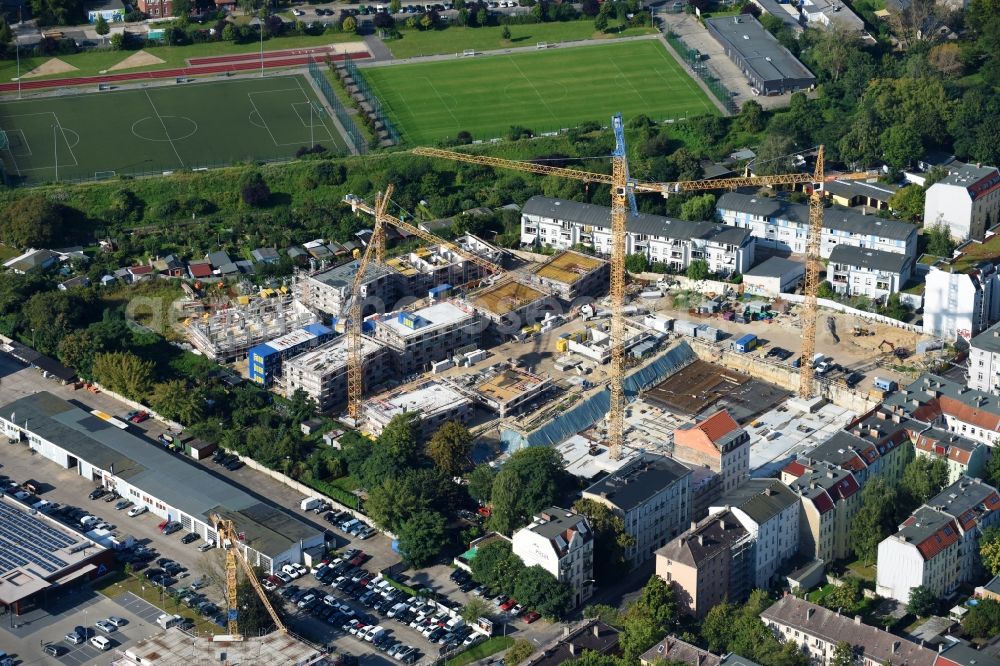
(761,499)
(964,654)
(988,340)
(776,267)
(343,275)
(835,217)
(925,523)
(559,525)
(219,259)
(643,223)
(982,406)
(966,499)
(877,645)
(634,483)
(855,188)
(265,254)
(673,650)
(716,533)
(758,48)
(733,659)
(874,260)
(774,8)
(967,174)
(150,468)
(35,260)
(105,5)
(993,585)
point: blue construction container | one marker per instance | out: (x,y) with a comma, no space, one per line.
(745,344)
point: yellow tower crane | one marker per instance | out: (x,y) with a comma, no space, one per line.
(228,538)
(623,189)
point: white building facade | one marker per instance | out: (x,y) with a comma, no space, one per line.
(562,543)
(967,201)
(960,304)
(984,361)
(855,271)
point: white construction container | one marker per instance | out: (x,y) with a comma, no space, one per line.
(685,327)
(441,366)
(477,356)
(658,323)
(708,333)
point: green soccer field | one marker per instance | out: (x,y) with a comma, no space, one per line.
(544,91)
(156,129)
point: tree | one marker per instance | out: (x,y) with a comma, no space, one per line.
(495,566)
(529,481)
(946,58)
(537,588)
(992,471)
(505,33)
(474,609)
(481,483)
(101,27)
(118,41)
(601,22)
(182,8)
(124,373)
(894,307)
(6,34)
(751,118)
(922,602)
(648,619)
(401,438)
(384,21)
(901,145)
(518,652)
(398,497)
(254,618)
(698,208)
(173,400)
(349,24)
(422,537)
(775,155)
(845,597)
(843,654)
(394,6)
(908,202)
(636,262)
(31,221)
(983,619)
(825,290)
(450,448)
(254,190)
(698,270)
(923,478)
(610,538)
(939,240)
(989,550)
(874,520)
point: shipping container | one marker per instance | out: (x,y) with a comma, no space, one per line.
(685,327)
(708,333)
(745,344)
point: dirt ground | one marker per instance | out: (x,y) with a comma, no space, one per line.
(137,59)
(53,66)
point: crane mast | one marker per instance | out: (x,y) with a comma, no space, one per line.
(811,289)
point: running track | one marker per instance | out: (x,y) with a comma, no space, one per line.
(240,66)
(268,55)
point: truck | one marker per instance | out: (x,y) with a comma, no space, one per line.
(310,503)
(745,344)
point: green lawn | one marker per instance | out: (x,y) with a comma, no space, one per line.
(484,649)
(543,90)
(456,39)
(91,63)
(159,129)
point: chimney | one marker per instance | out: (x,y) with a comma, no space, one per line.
(597,630)
(572,649)
(701,539)
(895,646)
(809,613)
(857,619)
(565,632)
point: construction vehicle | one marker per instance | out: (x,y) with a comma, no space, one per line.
(230,540)
(861,331)
(623,189)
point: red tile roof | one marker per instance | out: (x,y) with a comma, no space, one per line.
(200,269)
(845,488)
(140,270)
(941,539)
(718,425)
(795,468)
(822,502)
(969,414)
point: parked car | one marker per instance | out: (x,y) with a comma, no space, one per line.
(137,511)
(54,650)
(531,616)
(124,504)
(76,637)
(139,417)
(96,493)
(105,626)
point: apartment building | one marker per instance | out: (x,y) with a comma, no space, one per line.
(265,360)
(708,564)
(719,443)
(428,267)
(432,402)
(957,409)
(984,361)
(830,496)
(769,511)
(963,456)
(328,290)
(433,333)
(652,494)
(818,631)
(780,225)
(967,201)
(562,224)
(562,543)
(855,271)
(322,372)
(961,300)
(938,545)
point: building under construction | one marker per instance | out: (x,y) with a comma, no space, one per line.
(512,305)
(433,403)
(570,275)
(228,333)
(175,647)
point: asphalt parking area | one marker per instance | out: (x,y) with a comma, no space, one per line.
(137,606)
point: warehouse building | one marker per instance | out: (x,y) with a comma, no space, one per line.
(266,359)
(322,372)
(769,67)
(570,275)
(149,476)
(433,403)
(433,333)
(38,555)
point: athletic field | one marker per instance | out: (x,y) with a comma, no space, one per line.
(544,91)
(156,129)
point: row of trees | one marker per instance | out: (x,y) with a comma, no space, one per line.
(497,568)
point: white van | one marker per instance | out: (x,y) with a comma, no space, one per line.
(167,620)
(101,643)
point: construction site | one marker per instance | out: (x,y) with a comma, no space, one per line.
(570,275)
(174,647)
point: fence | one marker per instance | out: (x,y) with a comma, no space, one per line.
(694,61)
(357,138)
(362,83)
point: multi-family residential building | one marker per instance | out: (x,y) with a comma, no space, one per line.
(963,456)
(946,404)
(570,275)
(709,564)
(433,333)
(652,494)
(781,225)
(156,8)
(938,545)
(830,497)
(960,300)
(322,372)
(818,631)
(431,402)
(967,201)
(562,543)
(855,271)
(769,511)
(984,361)
(327,291)
(562,224)
(719,443)
(265,360)
(873,444)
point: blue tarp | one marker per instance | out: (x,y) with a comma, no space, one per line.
(593,409)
